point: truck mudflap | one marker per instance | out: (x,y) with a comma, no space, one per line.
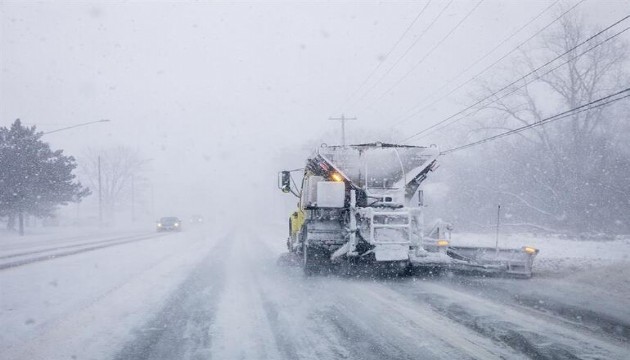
(489,260)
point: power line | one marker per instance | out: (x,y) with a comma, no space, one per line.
(519,87)
(364,94)
(415,66)
(525,76)
(603,101)
(415,110)
(378,66)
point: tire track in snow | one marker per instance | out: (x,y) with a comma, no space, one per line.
(180,330)
(242,328)
(406,321)
(300,331)
(529,333)
(593,314)
(350,320)
(301,316)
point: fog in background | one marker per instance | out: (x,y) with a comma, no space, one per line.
(217,97)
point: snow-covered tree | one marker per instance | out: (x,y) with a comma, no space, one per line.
(121,168)
(34,179)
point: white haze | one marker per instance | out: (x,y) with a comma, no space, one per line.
(222,95)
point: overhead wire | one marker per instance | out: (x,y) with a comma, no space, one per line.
(399,59)
(416,109)
(415,66)
(430,131)
(391,50)
(601,102)
(524,77)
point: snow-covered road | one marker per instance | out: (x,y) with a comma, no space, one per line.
(202,295)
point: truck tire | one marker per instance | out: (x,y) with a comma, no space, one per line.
(289,238)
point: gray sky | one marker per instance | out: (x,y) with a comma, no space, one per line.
(213,91)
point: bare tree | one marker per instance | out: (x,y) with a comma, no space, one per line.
(120,167)
(575,172)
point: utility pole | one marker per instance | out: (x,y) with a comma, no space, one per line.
(152,200)
(496,246)
(133,199)
(343,120)
(100,194)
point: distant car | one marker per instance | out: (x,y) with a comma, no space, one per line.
(196,219)
(170,223)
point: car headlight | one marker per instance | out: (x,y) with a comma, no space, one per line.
(159,225)
(176,224)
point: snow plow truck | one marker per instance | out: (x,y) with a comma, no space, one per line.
(362,203)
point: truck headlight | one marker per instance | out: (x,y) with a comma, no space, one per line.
(159,225)
(442,243)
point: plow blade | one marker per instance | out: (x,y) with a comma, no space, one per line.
(516,262)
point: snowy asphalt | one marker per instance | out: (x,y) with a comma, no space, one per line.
(197,295)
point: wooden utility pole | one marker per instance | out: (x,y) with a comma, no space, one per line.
(133,198)
(100,194)
(496,245)
(343,120)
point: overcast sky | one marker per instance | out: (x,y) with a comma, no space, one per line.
(213,90)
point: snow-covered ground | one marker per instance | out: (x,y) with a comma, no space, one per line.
(600,264)
(85,305)
(48,236)
(221,294)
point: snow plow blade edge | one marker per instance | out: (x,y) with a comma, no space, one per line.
(516,262)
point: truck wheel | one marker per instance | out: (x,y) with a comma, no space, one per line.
(289,238)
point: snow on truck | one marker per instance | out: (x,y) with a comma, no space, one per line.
(362,203)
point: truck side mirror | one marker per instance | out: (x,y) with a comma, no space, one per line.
(284,181)
(420,198)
